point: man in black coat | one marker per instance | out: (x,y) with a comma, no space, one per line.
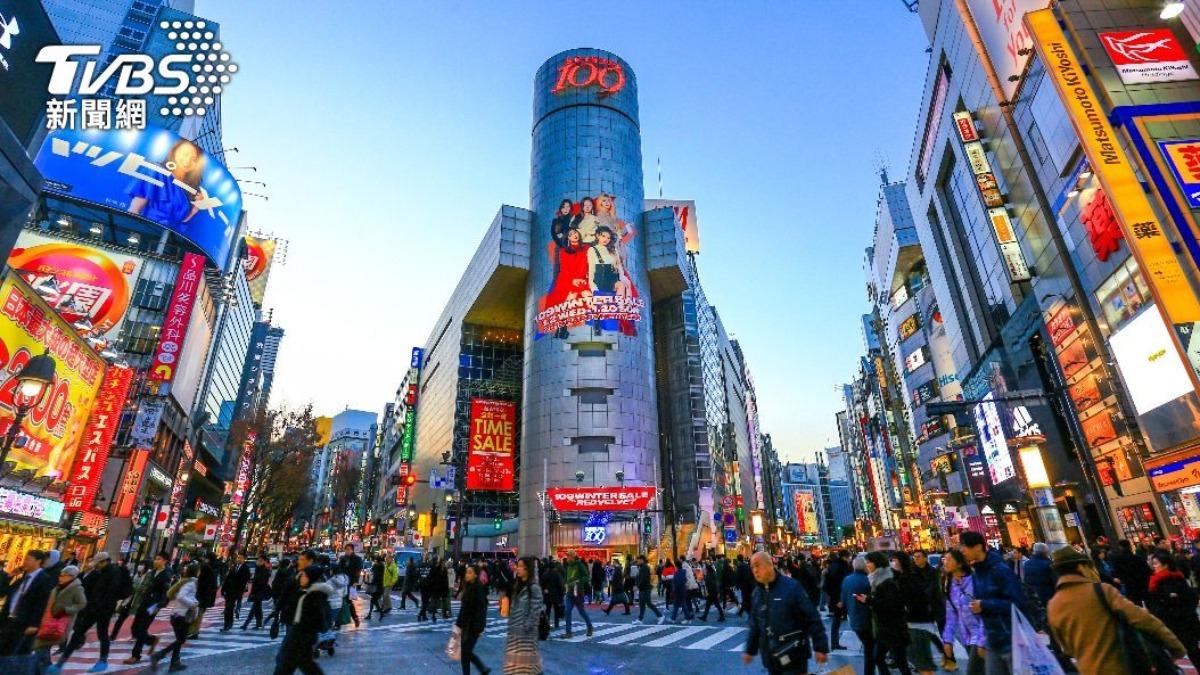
(835,573)
(260,590)
(781,607)
(618,589)
(102,585)
(745,584)
(352,564)
(554,587)
(234,587)
(1131,571)
(285,590)
(154,599)
(22,614)
(206,591)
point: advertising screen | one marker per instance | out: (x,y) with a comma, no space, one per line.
(601,498)
(54,428)
(806,513)
(91,285)
(1005,37)
(1153,372)
(915,360)
(260,253)
(589,246)
(909,326)
(196,197)
(492,445)
(990,431)
(24,30)
(685,216)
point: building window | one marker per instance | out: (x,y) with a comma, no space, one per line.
(1038,143)
(1123,294)
(593,444)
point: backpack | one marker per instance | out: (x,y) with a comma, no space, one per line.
(125,585)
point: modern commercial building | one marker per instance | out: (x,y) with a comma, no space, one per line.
(577,383)
(336,471)
(270,357)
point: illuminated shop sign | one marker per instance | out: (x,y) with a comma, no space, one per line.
(909,326)
(1006,239)
(97,439)
(1175,475)
(915,360)
(1153,372)
(965,124)
(1104,232)
(207,509)
(34,507)
(492,445)
(601,498)
(1148,55)
(159,476)
(1183,158)
(580,72)
(925,392)
(990,431)
(900,296)
(178,313)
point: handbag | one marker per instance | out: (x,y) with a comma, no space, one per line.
(789,648)
(1029,653)
(53,628)
(454,645)
(1145,654)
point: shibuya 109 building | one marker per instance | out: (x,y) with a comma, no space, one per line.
(578,392)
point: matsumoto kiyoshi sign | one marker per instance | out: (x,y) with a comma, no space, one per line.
(1150,55)
(601,498)
(153,174)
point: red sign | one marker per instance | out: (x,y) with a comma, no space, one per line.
(179,312)
(578,72)
(492,445)
(1101,225)
(135,471)
(1061,325)
(601,498)
(966,126)
(97,439)
(1151,55)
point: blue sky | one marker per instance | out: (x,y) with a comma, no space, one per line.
(390,133)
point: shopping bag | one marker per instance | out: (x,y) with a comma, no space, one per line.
(504,605)
(1029,651)
(454,646)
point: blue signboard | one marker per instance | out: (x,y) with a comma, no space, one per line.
(1183,158)
(730,536)
(417,354)
(153,174)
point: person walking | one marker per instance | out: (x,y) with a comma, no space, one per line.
(712,591)
(140,581)
(102,587)
(931,577)
(962,625)
(645,599)
(472,619)
(1130,572)
(206,591)
(598,579)
(889,615)
(1173,602)
(310,618)
(451,586)
(352,564)
(184,608)
(682,582)
(554,587)
(391,574)
(578,583)
(411,577)
(153,599)
(234,587)
(425,586)
(439,588)
(997,590)
(835,573)
(283,586)
(27,599)
(782,613)
(745,584)
(375,588)
(521,656)
(725,570)
(858,614)
(1083,617)
(260,591)
(919,601)
(67,599)
(618,592)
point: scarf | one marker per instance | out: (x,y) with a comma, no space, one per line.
(880,575)
(1161,576)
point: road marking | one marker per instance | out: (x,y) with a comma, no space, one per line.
(715,639)
(605,631)
(675,637)
(648,630)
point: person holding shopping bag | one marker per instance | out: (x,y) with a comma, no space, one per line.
(472,619)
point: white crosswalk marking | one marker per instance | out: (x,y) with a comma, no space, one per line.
(715,639)
(636,635)
(604,631)
(676,636)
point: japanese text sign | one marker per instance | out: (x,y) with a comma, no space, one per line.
(491,445)
(177,315)
(601,498)
(97,439)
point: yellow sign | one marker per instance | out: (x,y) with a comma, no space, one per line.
(1112,167)
(53,428)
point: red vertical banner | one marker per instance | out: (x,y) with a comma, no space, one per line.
(131,482)
(179,312)
(97,439)
(492,445)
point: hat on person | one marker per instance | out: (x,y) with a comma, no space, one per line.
(101,557)
(1067,557)
(70,570)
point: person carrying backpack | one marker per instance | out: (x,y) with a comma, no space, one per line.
(1173,601)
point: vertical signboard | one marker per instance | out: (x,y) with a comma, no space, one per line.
(179,486)
(97,439)
(177,315)
(1005,38)
(491,446)
(260,253)
(135,471)
(145,424)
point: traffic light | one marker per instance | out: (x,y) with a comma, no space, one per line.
(409,480)
(647,525)
(497,523)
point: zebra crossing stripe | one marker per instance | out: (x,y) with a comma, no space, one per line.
(630,637)
(605,631)
(675,637)
(715,639)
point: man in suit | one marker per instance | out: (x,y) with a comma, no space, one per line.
(154,599)
(22,614)
(234,587)
(260,591)
(102,584)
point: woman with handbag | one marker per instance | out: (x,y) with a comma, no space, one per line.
(66,601)
(521,655)
(185,607)
(374,588)
(472,619)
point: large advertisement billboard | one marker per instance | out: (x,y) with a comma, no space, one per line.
(1157,380)
(97,439)
(53,429)
(154,174)
(806,512)
(990,432)
(592,284)
(685,217)
(88,286)
(260,253)
(491,445)
(1005,37)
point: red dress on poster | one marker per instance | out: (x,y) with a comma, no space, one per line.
(572,279)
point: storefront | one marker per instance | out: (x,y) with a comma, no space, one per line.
(28,522)
(1176,479)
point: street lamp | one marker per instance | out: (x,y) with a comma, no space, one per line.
(33,383)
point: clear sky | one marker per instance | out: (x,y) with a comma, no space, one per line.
(389,133)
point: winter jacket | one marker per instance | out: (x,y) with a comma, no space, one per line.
(102,587)
(411,576)
(260,585)
(931,577)
(712,581)
(859,614)
(206,585)
(472,614)
(287,593)
(598,577)
(68,600)
(439,582)
(353,564)
(835,574)
(962,624)
(391,574)
(618,580)
(1086,631)
(1132,571)
(577,577)
(1173,601)
(235,582)
(185,599)
(780,608)
(916,597)
(552,583)
(340,585)
(312,616)
(156,593)
(744,578)
(889,613)
(643,578)
(998,589)
(1039,577)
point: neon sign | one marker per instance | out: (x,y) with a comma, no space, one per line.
(578,72)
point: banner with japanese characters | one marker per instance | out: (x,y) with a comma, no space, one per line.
(51,432)
(88,286)
(153,174)
(176,317)
(491,445)
(97,439)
